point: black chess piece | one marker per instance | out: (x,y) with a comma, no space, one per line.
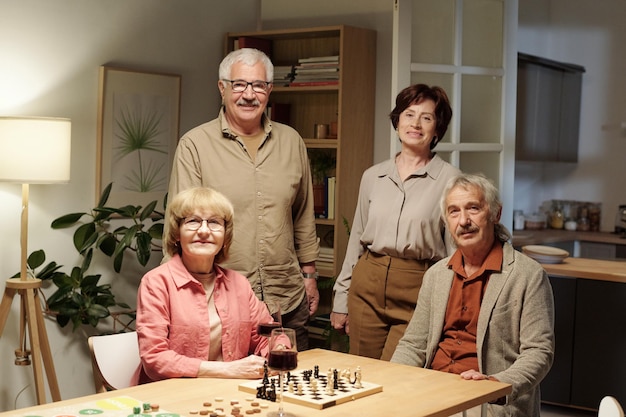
(266,380)
(316,371)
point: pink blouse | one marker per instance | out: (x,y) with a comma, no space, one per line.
(173,321)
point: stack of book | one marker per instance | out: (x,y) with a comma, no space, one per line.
(326,258)
(321,70)
(283,75)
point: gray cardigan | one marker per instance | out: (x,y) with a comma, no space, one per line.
(515,340)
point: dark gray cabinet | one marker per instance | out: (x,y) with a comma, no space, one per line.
(548,110)
(590,343)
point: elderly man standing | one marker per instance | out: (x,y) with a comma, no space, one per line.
(263,168)
(487,311)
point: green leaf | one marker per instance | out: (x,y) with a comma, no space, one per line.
(117,262)
(36,259)
(107,244)
(85,236)
(147,211)
(105,195)
(156,231)
(66,220)
(98,311)
(143,247)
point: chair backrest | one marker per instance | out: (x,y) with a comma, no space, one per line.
(609,407)
(114,359)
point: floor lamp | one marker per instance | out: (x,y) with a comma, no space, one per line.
(33,151)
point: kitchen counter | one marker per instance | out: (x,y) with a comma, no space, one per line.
(595,269)
(540,237)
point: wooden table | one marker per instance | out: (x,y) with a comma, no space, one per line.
(595,269)
(407,390)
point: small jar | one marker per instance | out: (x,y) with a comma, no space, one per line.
(583,220)
(556,217)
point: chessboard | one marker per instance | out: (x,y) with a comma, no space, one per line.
(310,388)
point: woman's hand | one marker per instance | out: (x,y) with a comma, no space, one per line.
(340,322)
(250,367)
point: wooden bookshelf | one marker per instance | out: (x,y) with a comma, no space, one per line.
(350,103)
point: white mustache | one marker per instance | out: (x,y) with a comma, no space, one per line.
(243,102)
(466,229)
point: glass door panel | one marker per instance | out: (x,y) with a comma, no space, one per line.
(487,163)
(481,109)
(433,30)
(482,33)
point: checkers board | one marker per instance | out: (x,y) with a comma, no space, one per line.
(318,398)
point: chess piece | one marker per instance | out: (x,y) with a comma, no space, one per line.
(290,384)
(357,377)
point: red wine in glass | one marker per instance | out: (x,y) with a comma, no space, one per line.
(265,329)
(283,360)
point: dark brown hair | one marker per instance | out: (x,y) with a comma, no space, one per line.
(417,93)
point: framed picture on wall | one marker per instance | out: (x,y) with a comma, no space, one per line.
(138,129)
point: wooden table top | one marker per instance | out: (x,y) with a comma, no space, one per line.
(588,268)
(422,391)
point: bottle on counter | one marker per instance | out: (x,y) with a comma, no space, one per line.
(583,220)
(556,216)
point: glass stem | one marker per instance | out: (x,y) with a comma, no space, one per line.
(280,389)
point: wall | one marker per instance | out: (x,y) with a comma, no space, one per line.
(590,34)
(50,54)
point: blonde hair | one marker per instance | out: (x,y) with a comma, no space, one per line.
(185,203)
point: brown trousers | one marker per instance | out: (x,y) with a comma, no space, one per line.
(382,297)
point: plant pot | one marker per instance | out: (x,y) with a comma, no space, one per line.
(319,200)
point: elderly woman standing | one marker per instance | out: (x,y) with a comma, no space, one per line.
(397,231)
(195,318)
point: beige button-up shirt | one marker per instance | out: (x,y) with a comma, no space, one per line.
(274,223)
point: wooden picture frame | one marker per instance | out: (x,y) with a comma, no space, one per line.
(138,130)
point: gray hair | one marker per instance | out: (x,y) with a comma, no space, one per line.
(490,195)
(247,56)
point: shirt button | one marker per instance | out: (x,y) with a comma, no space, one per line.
(458,342)
(261,241)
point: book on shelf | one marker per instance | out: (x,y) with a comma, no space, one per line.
(279,112)
(331,58)
(313,83)
(330,197)
(264,45)
(315,70)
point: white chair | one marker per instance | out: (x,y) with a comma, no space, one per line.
(114,359)
(609,407)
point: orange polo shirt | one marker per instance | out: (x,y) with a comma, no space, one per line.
(457,348)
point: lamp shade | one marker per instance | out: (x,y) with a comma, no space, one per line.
(35,150)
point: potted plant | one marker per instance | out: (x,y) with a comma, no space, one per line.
(79,297)
(322,165)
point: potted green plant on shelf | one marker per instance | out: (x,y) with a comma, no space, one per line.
(322,165)
(79,298)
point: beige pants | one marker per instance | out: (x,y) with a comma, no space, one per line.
(382,297)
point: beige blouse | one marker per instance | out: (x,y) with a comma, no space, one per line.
(396,218)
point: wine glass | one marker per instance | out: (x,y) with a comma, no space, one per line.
(265,329)
(283,357)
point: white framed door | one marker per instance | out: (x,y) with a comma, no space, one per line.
(468,47)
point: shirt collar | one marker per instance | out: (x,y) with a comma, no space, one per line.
(492,263)
(229,134)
